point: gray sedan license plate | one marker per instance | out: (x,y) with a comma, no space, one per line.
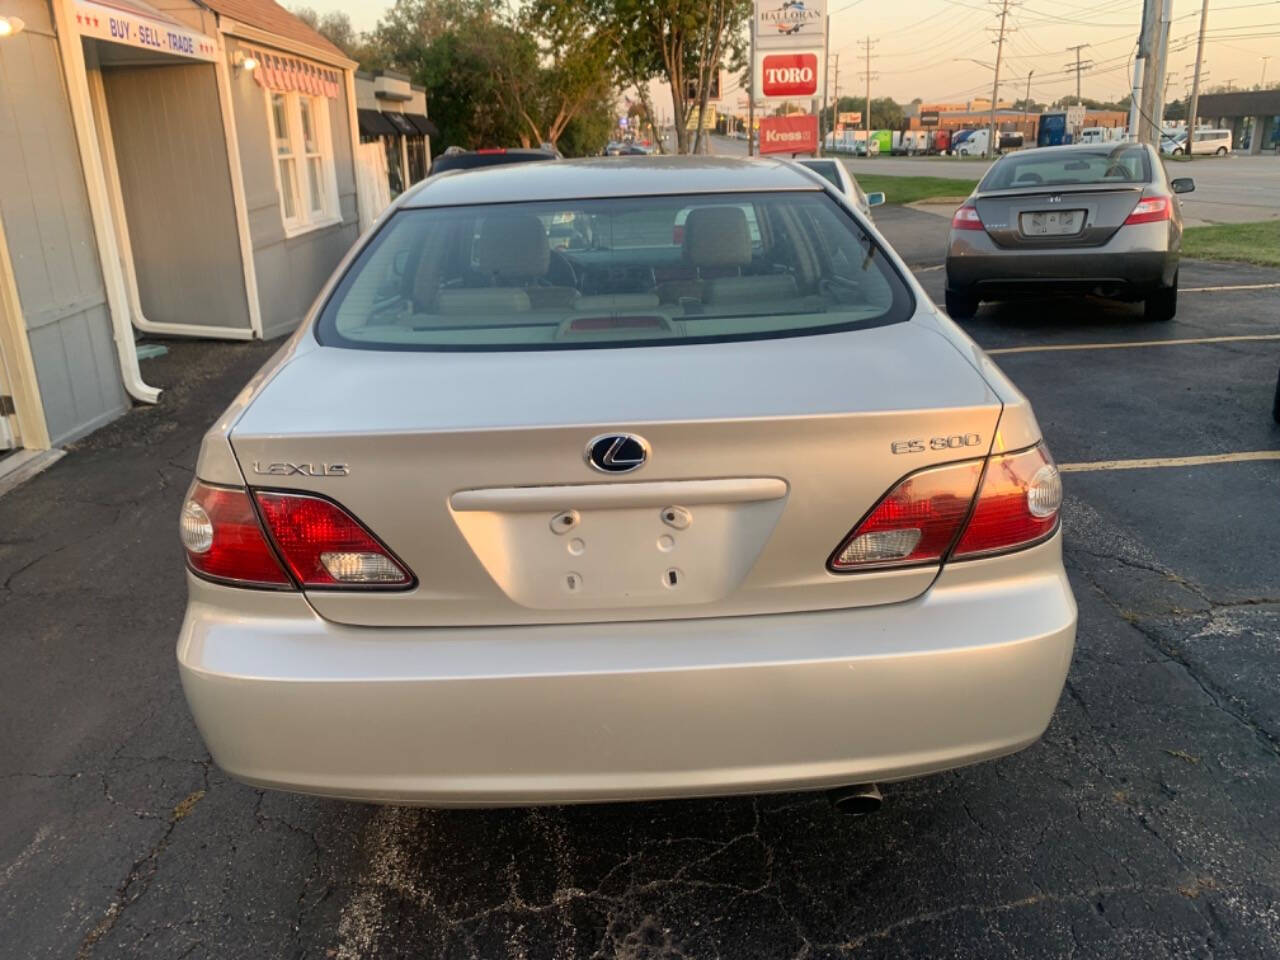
(1052,223)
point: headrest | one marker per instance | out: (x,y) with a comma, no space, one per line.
(513,247)
(483,300)
(717,237)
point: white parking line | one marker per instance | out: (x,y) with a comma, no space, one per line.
(1153,462)
(1054,347)
(1234,286)
(936,266)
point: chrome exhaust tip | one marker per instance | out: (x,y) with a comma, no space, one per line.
(856,800)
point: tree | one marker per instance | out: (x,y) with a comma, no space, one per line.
(496,77)
(336,27)
(886,113)
(681,41)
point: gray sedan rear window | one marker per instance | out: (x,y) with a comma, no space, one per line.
(1126,163)
(613,272)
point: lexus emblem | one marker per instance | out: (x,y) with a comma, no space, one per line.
(617,452)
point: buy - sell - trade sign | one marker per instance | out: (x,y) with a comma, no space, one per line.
(790,24)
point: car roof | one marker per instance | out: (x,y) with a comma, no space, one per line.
(1080,147)
(589,177)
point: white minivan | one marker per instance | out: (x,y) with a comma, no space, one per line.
(1215,142)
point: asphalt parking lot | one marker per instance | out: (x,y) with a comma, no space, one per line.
(1145,824)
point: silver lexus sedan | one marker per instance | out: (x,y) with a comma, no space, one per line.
(650,513)
(1088,218)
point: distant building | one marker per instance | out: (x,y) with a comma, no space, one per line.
(1252,116)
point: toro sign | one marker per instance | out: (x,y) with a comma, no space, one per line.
(790,75)
(798,134)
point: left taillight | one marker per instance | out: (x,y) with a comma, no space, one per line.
(225,541)
(966,218)
(1150,210)
(282,540)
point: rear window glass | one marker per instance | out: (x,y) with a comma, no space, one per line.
(613,272)
(1126,163)
(827,168)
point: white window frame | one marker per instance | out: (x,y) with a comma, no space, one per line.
(305,219)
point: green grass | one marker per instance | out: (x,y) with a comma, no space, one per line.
(1246,242)
(911,189)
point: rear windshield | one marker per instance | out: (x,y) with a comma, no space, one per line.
(613,272)
(470,161)
(827,168)
(1126,163)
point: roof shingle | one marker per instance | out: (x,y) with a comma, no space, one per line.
(270,16)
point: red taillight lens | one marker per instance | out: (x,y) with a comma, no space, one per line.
(916,522)
(1017,506)
(920,521)
(324,546)
(1151,210)
(966,218)
(224,540)
(677,235)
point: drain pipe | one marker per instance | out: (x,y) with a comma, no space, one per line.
(856,800)
(76,78)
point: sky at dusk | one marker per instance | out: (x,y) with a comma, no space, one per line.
(919,46)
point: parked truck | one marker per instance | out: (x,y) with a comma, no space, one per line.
(1053,130)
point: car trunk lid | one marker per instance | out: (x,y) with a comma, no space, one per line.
(1081,216)
(762,455)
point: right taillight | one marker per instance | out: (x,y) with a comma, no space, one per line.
(958,510)
(1150,210)
(966,218)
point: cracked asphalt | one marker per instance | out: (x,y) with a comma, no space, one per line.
(1145,824)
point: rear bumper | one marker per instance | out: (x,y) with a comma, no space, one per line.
(1133,264)
(549,714)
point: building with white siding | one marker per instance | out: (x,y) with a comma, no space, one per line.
(171,167)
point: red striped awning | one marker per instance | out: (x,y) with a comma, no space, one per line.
(282,73)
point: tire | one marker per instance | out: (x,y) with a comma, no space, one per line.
(1177,151)
(1163,304)
(961,306)
(1222,151)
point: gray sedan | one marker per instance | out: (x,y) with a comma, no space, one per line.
(1091,218)
(708,499)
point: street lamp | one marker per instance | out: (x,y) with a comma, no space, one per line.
(9,26)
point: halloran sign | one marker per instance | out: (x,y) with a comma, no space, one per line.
(106,21)
(788,24)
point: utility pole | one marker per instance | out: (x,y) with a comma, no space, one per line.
(1195,81)
(1079,67)
(1230,84)
(826,67)
(866,120)
(1026,101)
(1153,46)
(751,90)
(835,102)
(993,137)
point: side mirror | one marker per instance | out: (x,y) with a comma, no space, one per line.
(1182,185)
(875,199)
